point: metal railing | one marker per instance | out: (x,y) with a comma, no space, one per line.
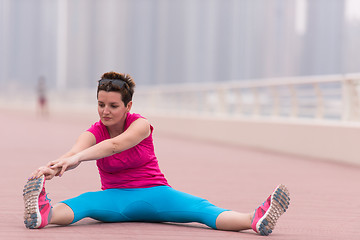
(333,97)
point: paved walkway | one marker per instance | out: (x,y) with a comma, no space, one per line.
(325,197)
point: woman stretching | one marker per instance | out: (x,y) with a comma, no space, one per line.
(133,187)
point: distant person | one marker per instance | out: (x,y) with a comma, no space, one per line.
(42,99)
(133,187)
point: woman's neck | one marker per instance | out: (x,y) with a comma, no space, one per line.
(116,129)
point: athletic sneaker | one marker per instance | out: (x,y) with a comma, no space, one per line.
(37,205)
(267,214)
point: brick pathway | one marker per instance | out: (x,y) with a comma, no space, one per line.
(325,197)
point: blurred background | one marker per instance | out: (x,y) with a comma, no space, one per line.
(69,44)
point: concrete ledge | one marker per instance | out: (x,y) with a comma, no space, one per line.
(333,141)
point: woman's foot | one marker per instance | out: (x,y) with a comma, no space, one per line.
(267,214)
(37,206)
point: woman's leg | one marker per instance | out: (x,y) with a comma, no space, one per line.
(234,221)
(62,214)
(190,208)
(263,219)
(176,206)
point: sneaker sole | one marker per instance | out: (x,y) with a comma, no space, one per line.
(280,200)
(31,192)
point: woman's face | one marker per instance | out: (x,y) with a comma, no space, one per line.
(111,108)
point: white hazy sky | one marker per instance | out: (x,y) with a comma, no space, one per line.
(300,21)
(353,9)
(352,12)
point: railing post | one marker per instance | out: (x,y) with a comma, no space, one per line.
(203,107)
(221,103)
(210,101)
(275,101)
(256,105)
(238,102)
(319,101)
(294,101)
(154,100)
(351,111)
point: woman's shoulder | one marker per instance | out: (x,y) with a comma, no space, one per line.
(135,115)
(131,117)
(97,125)
(99,130)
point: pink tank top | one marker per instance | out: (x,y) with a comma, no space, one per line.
(136,167)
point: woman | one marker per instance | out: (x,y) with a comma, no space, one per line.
(133,187)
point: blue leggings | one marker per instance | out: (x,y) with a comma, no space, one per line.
(155,204)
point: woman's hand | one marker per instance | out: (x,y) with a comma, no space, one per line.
(64,164)
(56,168)
(46,171)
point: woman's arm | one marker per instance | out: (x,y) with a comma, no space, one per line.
(85,140)
(137,131)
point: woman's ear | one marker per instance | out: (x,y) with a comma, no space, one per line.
(128,107)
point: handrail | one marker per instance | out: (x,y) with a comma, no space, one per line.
(334,97)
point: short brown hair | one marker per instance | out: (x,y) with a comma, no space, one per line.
(126,91)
